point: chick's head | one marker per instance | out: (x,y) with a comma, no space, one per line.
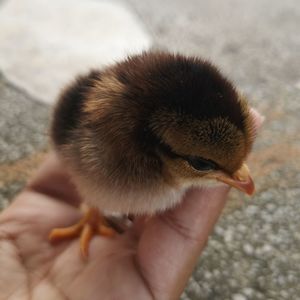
(191,117)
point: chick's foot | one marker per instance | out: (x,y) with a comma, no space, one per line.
(92,223)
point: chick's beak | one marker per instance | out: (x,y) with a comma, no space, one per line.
(241,180)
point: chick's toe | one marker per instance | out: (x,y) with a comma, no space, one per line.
(92,223)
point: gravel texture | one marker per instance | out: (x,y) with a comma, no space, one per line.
(23,136)
(23,123)
(254,251)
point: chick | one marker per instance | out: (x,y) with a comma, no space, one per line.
(136,135)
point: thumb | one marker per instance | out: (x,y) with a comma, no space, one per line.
(172,242)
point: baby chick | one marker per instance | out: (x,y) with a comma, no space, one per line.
(136,135)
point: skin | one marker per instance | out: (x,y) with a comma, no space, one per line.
(152,260)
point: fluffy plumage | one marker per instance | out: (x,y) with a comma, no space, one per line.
(137,134)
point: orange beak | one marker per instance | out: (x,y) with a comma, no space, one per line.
(241,180)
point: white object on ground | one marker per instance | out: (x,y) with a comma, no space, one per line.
(44,44)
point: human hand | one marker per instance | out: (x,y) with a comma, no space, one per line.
(152,260)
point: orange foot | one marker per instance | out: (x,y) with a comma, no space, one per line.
(91,223)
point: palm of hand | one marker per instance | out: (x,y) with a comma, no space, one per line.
(32,268)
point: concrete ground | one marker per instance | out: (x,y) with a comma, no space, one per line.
(254,251)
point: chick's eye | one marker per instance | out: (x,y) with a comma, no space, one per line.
(201,164)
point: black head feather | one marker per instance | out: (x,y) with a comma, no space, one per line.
(186,85)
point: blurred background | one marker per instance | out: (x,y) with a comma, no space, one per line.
(254,252)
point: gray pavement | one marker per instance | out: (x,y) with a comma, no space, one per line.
(254,252)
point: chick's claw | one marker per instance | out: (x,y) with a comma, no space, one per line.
(92,223)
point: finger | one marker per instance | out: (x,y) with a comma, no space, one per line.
(258,120)
(53,180)
(171,243)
